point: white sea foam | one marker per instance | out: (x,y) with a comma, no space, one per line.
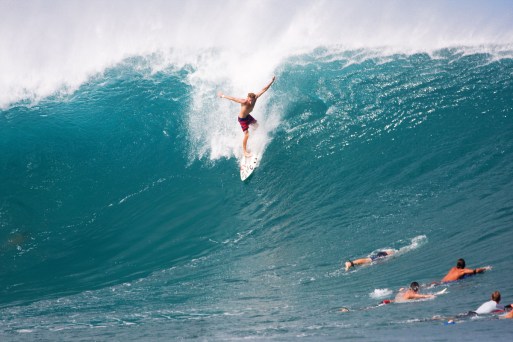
(53,48)
(380,293)
(415,243)
(25,331)
(212,122)
(56,46)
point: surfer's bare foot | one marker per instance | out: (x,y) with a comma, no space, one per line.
(348,265)
(247,154)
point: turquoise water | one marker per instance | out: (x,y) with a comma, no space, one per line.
(122,215)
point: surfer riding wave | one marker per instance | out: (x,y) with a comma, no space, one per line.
(246,107)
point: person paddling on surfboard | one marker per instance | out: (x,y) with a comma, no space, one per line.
(492,306)
(404,295)
(459,271)
(373,257)
(246,107)
(412,293)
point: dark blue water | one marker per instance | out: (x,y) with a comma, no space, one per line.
(122,214)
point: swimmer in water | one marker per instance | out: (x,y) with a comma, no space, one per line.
(373,257)
(412,293)
(491,306)
(459,271)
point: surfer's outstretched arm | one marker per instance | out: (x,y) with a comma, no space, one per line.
(234,99)
(469,271)
(265,88)
(421,296)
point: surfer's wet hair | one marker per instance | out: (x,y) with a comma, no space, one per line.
(460,263)
(414,286)
(251,95)
(496,296)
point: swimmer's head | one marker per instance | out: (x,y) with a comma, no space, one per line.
(496,296)
(414,286)
(460,263)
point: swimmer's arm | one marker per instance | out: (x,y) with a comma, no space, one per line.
(467,271)
(421,296)
(265,88)
(234,99)
(477,270)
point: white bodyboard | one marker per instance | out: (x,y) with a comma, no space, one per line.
(248,165)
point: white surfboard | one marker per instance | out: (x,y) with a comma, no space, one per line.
(248,165)
(440,292)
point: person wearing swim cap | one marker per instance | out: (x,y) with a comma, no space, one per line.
(246,107)
(405,295)
(459,271)
(412,293)
(373,257)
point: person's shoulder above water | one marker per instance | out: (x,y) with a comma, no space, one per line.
(459,271)
(412,293)
(492,305)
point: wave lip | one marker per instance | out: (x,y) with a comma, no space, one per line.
(56,48)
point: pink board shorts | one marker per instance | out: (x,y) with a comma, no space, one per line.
(245,122)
